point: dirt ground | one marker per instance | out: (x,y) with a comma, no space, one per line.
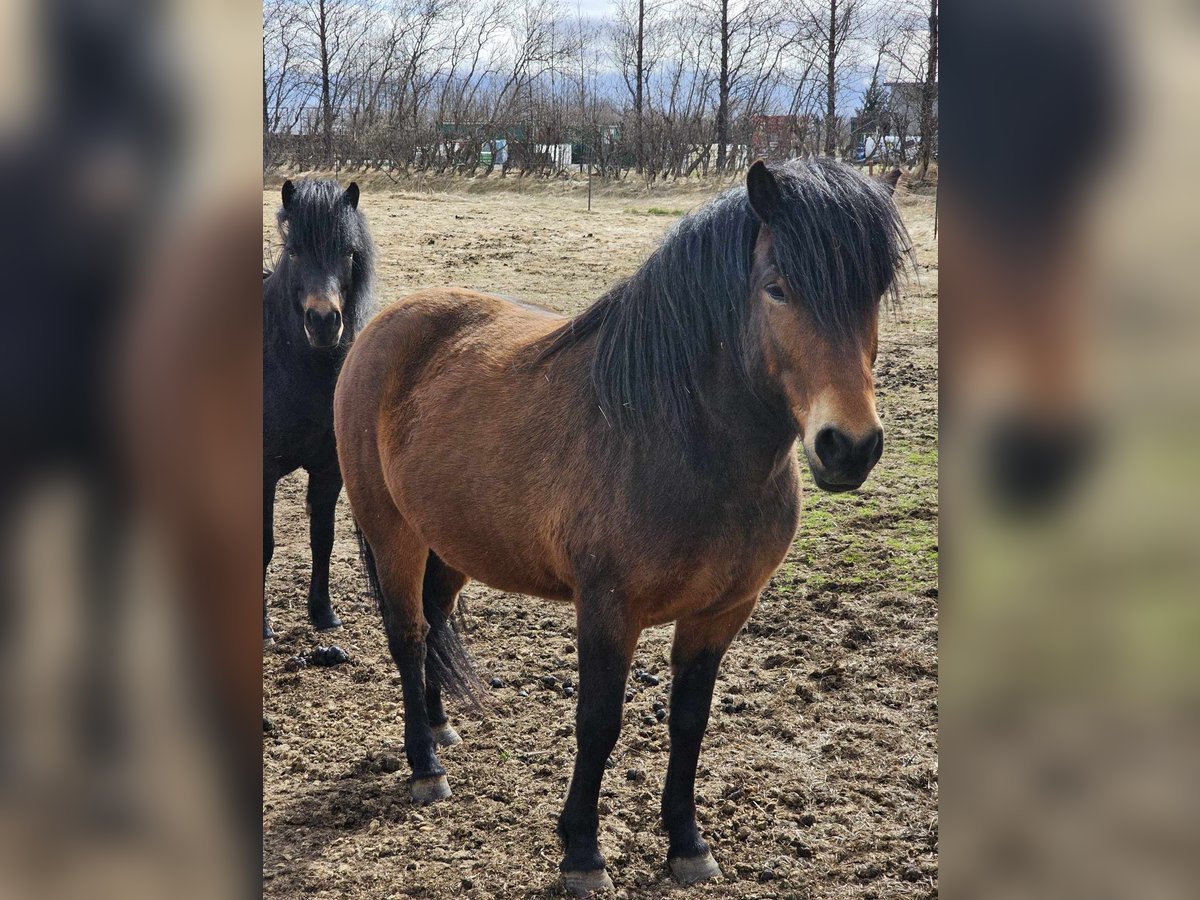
(819,776)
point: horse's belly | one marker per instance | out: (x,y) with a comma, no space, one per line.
(499,562)
(478,527)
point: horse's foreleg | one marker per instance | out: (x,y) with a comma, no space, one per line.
(268,545)
(398,561)
(607,639)
(700,643)
(323,489)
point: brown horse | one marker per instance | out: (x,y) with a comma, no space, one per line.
(637,460)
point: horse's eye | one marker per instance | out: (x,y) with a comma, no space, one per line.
(291,253)
(775,292)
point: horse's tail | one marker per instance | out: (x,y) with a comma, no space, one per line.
(446,658)
(447,654)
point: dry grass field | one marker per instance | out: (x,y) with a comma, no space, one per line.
(819,777)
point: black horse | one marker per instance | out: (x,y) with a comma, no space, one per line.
(314,302)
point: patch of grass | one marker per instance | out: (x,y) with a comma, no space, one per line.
(882,538)
(654,211)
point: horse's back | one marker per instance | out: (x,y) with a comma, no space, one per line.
(444,314)
(428,332)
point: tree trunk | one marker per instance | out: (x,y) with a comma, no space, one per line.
(927,92)
(266,116)
(723,91)
(831,84)
(326,99)
(637,102)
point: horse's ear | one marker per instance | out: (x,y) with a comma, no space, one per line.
(763,191)
(890,180)
(352,195)
(289,191)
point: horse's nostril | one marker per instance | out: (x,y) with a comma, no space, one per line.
(872,447)
(833,448)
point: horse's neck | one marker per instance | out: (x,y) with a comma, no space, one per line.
(740,426)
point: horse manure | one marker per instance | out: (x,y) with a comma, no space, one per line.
(389,762)
(549,681)
(328,656)
(295,663)
(637,776)
(867,872)
(497,682)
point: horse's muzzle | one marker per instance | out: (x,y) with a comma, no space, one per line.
(323,328)
(845,462)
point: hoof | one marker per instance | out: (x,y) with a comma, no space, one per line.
(580,884)
(693,869)
(427,790)
(445,736)
(325,621)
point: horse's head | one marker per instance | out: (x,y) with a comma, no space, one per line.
(827,251)
(326,255)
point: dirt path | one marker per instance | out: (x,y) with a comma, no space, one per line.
(819,774)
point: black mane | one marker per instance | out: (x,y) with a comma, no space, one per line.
(839,241)
(322,227)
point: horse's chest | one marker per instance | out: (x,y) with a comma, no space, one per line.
(299,430)
(720,552)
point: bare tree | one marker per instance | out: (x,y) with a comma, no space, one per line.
(666,88)
(913,56)
(285,92)
(336,30)
(835,24)
(929,91)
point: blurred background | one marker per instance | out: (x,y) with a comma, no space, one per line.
(129,468)
(1070,403)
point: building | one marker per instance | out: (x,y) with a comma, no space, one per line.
(903,104)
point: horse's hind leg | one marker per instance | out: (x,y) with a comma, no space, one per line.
(439,594)
(395,559)
(699,645)
(324,485)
